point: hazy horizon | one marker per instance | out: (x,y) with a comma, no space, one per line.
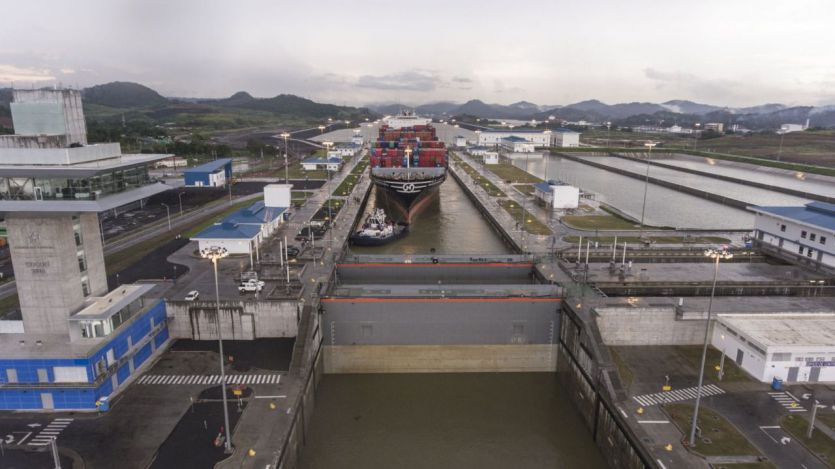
(727,54)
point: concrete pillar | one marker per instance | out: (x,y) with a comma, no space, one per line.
(49,278)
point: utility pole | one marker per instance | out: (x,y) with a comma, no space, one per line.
(814,414)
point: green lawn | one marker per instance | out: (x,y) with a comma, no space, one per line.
(9,303)
(725,439)
(531,223)
(524,188)
(599,222)
(819,444)
(827,419)
(297,172)
(693,355)
(347,185)
(479,179)
(511,173)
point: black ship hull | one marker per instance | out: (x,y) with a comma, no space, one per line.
(409,196)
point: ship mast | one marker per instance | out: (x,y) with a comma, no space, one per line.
(408,152)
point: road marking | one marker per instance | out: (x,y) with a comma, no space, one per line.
(52,430)
(661,464)
(788,401)
(676,395)
(270,397)
(263,378)
(653,421)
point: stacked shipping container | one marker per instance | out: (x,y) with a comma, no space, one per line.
(426,150)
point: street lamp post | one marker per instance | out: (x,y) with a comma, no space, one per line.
(285,136)
(716,255)
(649,145)
(608,133)
(168,212)
(180,198)
(214,254)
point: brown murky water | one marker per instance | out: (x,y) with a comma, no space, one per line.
(472,420)
(450,224)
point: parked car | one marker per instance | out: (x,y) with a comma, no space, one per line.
(292,251)
(192,295)
(251,286)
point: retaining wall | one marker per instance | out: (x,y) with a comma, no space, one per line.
(239,320)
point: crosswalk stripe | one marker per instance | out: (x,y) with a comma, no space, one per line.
(276,378)
(677,395)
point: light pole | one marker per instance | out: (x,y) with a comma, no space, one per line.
(649,145)
(180,197)
(214,254)
(716,255)
(608,133)
(168,212)
(696,136)
(285,136)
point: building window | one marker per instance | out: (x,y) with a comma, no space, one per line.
(803,234)
(783,228)
(781,357)
(811,236)
(823,240)
(809,252)
(800,250)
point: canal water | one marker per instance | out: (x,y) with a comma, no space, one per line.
(449,224)
(797,180)
(472,420)
(665,207)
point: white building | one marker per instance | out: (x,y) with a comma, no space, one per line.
(494,137)
(787,128)
(515,144)
(797,347)
(460,141)
(802,235)
(491,157)
(477,150)
(345,150)
(331,164)
(565,138)
(277,195)
(557,195)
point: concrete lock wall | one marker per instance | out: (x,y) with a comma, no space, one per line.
(241,320)
(362,321)
(648,326)
(434,273)
(440,358)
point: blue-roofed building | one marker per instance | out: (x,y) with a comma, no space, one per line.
(516,144)
(236,238)
(802,235)
(215,173)
(557,195)
(331,164)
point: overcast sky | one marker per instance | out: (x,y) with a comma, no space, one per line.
(355,52)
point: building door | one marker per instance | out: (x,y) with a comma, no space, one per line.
(815,374)
(46,401)
(780,244)
(740,354)
(792,374)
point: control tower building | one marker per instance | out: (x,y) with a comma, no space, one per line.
(53,185)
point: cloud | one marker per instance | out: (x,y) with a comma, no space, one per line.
(11,73)
(412,80)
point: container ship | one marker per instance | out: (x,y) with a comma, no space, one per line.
(408,163)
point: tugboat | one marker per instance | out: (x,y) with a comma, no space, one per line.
(378,230)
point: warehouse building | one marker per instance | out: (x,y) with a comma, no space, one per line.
(557,195)
(802,235)
(215,173)
(565,138)
(332,163)
(243,231)
(795,348)
(514,144)
(492,137)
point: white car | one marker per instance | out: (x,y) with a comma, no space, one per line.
(249,287)
(192,295)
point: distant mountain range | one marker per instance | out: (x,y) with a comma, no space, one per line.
(114,99)
(681,112)
(122,97)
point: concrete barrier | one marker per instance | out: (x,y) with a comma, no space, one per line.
(440,358)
